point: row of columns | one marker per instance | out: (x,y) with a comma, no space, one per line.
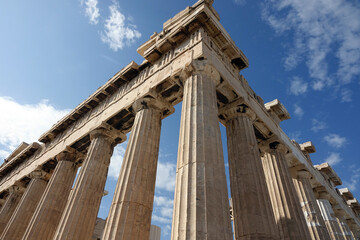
(268,203)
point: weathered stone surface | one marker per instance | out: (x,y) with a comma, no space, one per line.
(131,208)
(252,211)
(331,222)
(201,206)
(314,219)
(15,194)
(155,232)
(48,213)
(16,227)
(78,219)
(99,229)
(345,230)
(288,215)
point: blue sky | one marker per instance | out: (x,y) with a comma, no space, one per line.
(54,54)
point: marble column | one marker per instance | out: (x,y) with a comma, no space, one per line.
(132,204)
(252,212)
(48,213)
(19,221)
(314,220)
(285,203)
(331,222)
(79,217)
(201,205)
(15,193)
(345,229)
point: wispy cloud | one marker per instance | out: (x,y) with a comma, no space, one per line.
(334,140)
(333,158)
(163,210)
(166,205)
(318,125)
(295,135)
(298,111)
(298,86)
(117,32)
(346,95)
(353,183)
(323,30)
(91,10)
(25,122)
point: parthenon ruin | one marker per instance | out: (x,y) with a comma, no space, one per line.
(275,190)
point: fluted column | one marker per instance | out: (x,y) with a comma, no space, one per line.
(15,193)
(315,221)
(132,204)
(18,223)
(345,229)
(287,210)
(48,213)
(331,222)
(78,219)
(252,211)
(201,205)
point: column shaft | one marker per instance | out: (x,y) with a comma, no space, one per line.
(288,216)
(9,207)
(48,213)
(252,211)
(345,230)
(331,222)
(18,223)
(201,205)
(315,221)
(79,217)
(131,208)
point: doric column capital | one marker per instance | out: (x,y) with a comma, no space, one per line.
(17,188)
(109,132)
(303,174)
(272,144)
(70,154)
(164,108)
(39,174)
(237,108)
(204,67)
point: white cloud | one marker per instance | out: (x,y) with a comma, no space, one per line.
(165,177)
(165,206)
(333,159)
(323,30)
(24,122)
(91,10)
(163,201)
(298,111)
(160,219)
(117,33)
(4,154)
(116,160)
(334,140)
(298,86)
(318,125)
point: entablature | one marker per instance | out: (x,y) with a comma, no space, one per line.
(329,173)
(176,29)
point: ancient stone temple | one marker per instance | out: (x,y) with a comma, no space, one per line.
(276,192)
